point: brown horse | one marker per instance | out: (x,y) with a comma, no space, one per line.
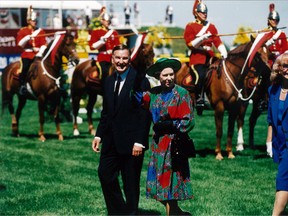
(256,85)
(86,80)
(184,78)
(224,90)
(43,81)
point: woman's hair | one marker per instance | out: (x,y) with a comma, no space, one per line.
(277,68)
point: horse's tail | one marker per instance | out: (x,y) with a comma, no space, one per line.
(6,94)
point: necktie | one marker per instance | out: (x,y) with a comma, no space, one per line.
(116,92)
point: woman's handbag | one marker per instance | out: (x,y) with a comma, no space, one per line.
(182,146)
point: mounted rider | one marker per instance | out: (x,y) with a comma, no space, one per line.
(104,40)
(277,45)
(200,35)
(32,41)
(278,42)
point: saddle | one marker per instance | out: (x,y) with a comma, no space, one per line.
(188,82)
(213,68)
(95,74)
(16,74)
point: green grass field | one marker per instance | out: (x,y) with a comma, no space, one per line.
(60,178)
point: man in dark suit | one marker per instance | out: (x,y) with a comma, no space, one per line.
(123,131)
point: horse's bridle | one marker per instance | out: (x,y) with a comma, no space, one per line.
(45,72)
(239,91)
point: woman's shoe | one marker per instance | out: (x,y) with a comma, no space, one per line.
(179,211)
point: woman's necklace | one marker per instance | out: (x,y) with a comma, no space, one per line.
(284,90)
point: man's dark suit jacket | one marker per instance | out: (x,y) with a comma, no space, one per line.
(127,123)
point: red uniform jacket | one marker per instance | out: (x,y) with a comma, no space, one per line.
(279,47)
(105,52)
(199,55)
(33,45)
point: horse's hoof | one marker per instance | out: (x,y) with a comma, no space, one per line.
(92,132)
(76,132)
(219,156)
(14,128)
(15,134)
(42,138)
(239,147)
(231,155)
(60,137)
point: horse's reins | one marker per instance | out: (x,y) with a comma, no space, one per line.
(234,86)
(258,38)
(45,72)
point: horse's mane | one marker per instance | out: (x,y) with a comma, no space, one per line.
(50,44)
(241,50)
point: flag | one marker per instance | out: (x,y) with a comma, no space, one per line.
(54,47)
(138,44)
(258,42)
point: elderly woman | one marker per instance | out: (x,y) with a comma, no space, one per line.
(172,112)
(277,118)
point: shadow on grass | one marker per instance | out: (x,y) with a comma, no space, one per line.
(23,135)
(261,156)
(49,136)
(247,152)
(148,212)
(2,187)
(82,136)
(205,152)
(258,147)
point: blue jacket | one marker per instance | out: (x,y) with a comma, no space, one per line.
(274,93)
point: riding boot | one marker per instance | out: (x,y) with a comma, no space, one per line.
(23,89)
(200,101)
(26,63)
(262,105)
(200,98)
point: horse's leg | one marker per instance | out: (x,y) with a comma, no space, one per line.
(240,124)
(232,114)
(76,105)
(90,105)
(41,107)
(15,125)
(218,115)
(252,122)
(57,122)
(55,99)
